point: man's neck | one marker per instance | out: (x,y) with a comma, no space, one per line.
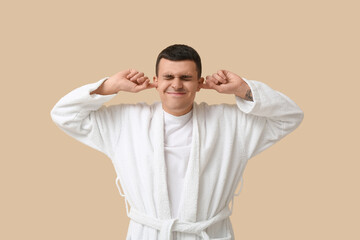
(178,113)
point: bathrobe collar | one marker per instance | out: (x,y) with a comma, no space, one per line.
(188,208)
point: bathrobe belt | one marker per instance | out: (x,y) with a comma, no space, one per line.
(167,226)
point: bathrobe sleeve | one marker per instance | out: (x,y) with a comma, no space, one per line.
(267,119)
(84,117)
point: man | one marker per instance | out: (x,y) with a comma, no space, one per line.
(178,162)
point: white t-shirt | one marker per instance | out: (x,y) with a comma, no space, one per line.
(177,144)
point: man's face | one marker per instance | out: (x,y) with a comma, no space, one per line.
(177,84)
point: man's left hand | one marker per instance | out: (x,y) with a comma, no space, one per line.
(227,82)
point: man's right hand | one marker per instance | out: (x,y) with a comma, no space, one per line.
(127,81)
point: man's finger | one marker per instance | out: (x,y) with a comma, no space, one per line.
(132,73)
(211,79)
(219,78)
(140,87)
(222,74)
(227,73)
(154,84)
(205,85)
(136,76)
(145,85)
(217,87)
(210,85)
(141,80)
(125,73)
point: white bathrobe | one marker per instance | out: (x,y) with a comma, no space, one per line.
(224,138)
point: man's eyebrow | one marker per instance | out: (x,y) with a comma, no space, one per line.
(181,76)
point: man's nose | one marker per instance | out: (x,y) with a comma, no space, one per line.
(177,83)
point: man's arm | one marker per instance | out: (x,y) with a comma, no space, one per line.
(264,115)
(81,113)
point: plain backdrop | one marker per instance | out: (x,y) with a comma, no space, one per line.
(304,187)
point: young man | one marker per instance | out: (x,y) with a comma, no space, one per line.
(178,162)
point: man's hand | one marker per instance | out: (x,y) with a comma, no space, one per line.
(127,81)
(227,82)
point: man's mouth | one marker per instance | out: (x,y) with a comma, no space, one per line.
(176,93)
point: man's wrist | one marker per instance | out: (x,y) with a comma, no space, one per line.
(248,95)
(102,89)
(244,92)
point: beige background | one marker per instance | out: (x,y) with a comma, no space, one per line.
(304,187)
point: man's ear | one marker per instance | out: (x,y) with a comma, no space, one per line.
(201,81)
(155,81)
